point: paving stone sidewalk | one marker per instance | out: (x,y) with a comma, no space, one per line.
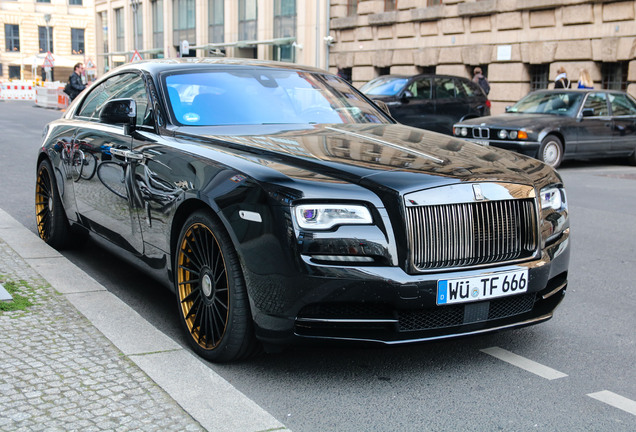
(59,373)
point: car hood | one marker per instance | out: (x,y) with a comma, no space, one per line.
(513,120)
(392,156)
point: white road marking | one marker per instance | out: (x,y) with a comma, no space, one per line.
(524,363)
(615,400)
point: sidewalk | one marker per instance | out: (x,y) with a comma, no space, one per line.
(77,358)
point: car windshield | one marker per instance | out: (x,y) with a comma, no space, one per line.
(384,86)
(560,103)
(255,97)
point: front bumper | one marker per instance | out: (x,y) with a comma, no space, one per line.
(528,148)
(385,305)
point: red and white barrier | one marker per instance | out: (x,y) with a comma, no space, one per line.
(51,97)
(17,90)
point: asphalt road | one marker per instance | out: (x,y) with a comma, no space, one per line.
(573,373)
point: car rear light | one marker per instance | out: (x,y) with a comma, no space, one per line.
(488,104)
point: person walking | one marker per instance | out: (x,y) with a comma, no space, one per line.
(75,84)
(585,80)
(561,80)
(479,78)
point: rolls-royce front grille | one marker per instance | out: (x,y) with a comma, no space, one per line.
(471,234)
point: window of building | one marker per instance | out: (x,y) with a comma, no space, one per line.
(75,2)
(1,70)
(284,26)
(352,7)
(539,76)
(390,5)
(138,25)
(77,41)
(43,1)
(45,38)
(614,76)
(157,26)
(12,37)
(183,21)
(433,2)
(216,20)
(380,71)
(247,19)
(120,44)
(14,72)
(428,70)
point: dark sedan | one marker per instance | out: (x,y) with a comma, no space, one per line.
(556,125)
(279,205)
(432,102)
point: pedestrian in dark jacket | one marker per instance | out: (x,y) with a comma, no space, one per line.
(561,80)
(480,79)
(75,84)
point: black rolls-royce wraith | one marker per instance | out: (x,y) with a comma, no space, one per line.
(280,204)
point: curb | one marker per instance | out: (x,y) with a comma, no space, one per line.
(206,396)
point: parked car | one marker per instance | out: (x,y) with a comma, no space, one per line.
(432,102)
(280,205)
(556,125)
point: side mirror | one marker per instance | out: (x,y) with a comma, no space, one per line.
(383,106)
(407,95)
(120,111)
(587,112)
(508,108)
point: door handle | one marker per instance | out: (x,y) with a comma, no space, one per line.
(127,155)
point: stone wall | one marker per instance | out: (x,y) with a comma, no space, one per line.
(506,36)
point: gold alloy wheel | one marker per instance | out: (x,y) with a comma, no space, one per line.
(44,203)
(202,286)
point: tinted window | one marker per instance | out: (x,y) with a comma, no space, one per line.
(421,88)
(598,102)
(561,103)
(117,87)
(470,89)
(445,88)
(384,86)
(622,105)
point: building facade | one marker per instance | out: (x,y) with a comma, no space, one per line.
(519,44)
(31,28)
(286,30)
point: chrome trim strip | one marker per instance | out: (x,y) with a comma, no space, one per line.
(464,193)
(554,291)
(346,320)
(387,143)
(532,321)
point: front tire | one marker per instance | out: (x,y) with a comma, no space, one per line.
(53,226)
(551,151)
(212,298)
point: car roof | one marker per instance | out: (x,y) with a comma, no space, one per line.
(199,63)
(422,76)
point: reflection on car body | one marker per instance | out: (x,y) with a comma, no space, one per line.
(306,214)
(556,125)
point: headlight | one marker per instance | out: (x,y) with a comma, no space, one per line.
(503,134)
(326,216)
(553,198)
(463,131)
(513,134)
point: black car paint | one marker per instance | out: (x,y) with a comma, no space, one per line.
(438,113)
(582,136)
(227,169)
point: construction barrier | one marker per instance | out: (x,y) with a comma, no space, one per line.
(17,90)
(51,95)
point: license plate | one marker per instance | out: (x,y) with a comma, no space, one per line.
(461,290)
(482,142)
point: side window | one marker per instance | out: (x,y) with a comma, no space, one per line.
(445,88)
(622,105)
(470,89)
(421,89)
(598,102)
(118,87)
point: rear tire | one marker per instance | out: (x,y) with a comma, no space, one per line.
(212,297)
(551,151)
(52,223)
